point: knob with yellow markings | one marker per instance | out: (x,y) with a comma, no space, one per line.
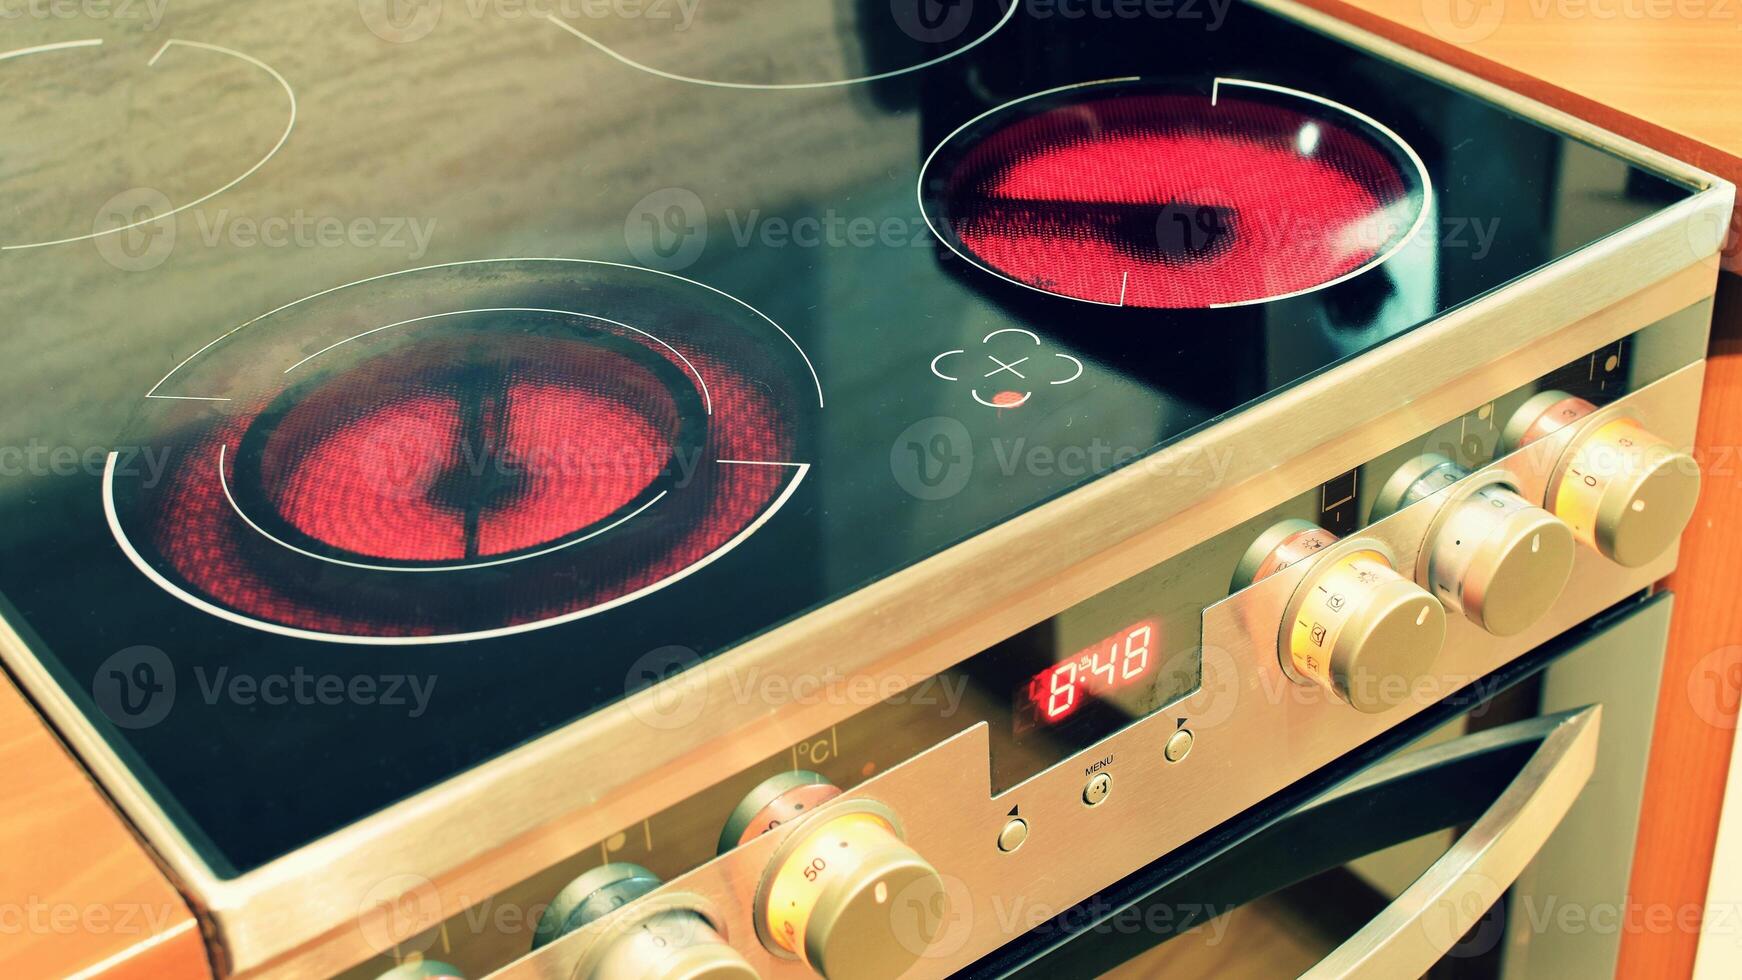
(844,893)
(1354,624)
(1491,554)
(668,940)
(1622,489)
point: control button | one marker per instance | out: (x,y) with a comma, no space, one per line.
(1179,745)
(776,800)
(665,943)
(1014,835)
(1099,785)
(1499,559)
(423,970)
(840,896)
(1621,489)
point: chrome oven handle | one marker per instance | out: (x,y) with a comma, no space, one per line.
(1434,912)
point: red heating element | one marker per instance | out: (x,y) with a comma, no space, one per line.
(527,476)
(457,453)
(1126,196)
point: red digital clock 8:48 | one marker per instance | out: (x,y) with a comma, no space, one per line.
(1124,659)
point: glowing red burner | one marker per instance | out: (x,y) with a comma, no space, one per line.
(531,475)
(1125,195)
(451,453)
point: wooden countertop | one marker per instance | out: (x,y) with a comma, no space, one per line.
(79,896)
(1660,72)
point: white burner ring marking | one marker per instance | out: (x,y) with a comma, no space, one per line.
(228,615)
(707,400)
(152,392)
(934,364)
(1421,217)
(1009,12)
(263,66)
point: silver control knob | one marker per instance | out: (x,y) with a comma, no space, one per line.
(1491,554)
(1622,489)
(423,970)
(668,943)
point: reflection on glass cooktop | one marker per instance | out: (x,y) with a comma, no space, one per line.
(314,492)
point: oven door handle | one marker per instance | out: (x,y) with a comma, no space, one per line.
(1433,913)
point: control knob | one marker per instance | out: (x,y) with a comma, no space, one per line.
(1354,625)
(1621,489)
(844,893)
(670,942)
(1491,554)
(422,970)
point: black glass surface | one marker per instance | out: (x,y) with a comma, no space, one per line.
(510,138)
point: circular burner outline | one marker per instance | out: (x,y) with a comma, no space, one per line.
(208,345)
(1427,190)
(1009,12)
(201,45)
(799,472)
(629,511)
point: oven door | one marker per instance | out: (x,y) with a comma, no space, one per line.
(1541,813)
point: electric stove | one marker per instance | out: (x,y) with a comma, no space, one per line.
(436,390)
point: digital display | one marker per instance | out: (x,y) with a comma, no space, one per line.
(1124,659)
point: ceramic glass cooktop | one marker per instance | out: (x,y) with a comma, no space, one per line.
(389,390)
